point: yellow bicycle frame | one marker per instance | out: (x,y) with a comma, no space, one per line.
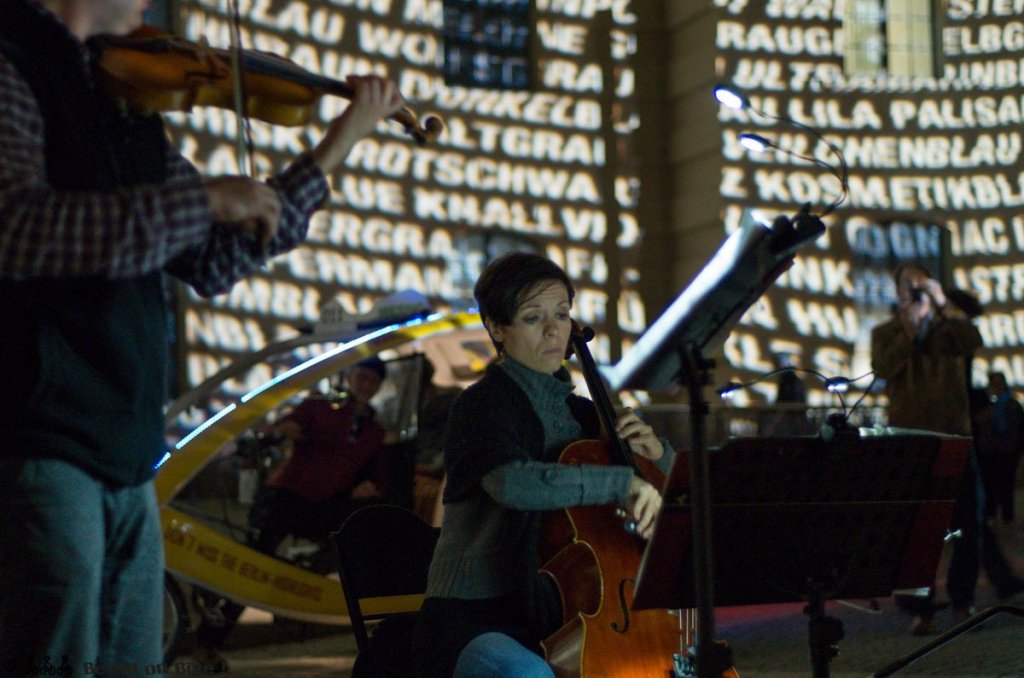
(204,557)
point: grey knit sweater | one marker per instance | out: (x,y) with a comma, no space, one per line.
(504,437)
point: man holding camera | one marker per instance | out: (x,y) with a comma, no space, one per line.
(924,354)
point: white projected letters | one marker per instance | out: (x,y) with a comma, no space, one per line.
(531,163)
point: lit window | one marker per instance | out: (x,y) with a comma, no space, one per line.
(891,36)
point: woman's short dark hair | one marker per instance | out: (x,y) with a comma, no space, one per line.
(509,281)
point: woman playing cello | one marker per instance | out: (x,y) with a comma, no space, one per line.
(488,608)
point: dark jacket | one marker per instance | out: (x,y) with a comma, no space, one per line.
(926,378)
(474,412)
(84,358)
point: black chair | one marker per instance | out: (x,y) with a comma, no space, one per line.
(383,550)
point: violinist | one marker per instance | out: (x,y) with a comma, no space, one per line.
(487,606)
(95,206)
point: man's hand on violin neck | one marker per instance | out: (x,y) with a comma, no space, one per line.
(374,99)
(246,204)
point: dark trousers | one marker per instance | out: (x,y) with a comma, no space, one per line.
(275,514)
(278,512)
(999,476)
(977,547)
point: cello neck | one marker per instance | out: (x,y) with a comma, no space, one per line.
(578,339)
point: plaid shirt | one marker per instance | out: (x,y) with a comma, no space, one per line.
(133,230)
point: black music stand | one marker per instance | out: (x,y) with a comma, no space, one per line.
(812,520)
(672,351)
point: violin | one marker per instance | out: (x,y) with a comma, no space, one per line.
(154,71)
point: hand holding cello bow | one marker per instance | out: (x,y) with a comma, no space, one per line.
(644,499)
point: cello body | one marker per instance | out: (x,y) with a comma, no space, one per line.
(594,560)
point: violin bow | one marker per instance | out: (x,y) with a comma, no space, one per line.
(243,140)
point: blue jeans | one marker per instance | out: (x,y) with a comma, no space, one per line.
(495,655)
(81,572)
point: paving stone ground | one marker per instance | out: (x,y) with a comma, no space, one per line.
(768,641)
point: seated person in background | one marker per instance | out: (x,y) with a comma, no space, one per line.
(335,466)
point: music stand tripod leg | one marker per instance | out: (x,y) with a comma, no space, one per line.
(696,370)
(955,632)
(824,633)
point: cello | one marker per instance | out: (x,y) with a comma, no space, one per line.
(593,558)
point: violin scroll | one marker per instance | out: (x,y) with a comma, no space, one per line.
(428,133)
